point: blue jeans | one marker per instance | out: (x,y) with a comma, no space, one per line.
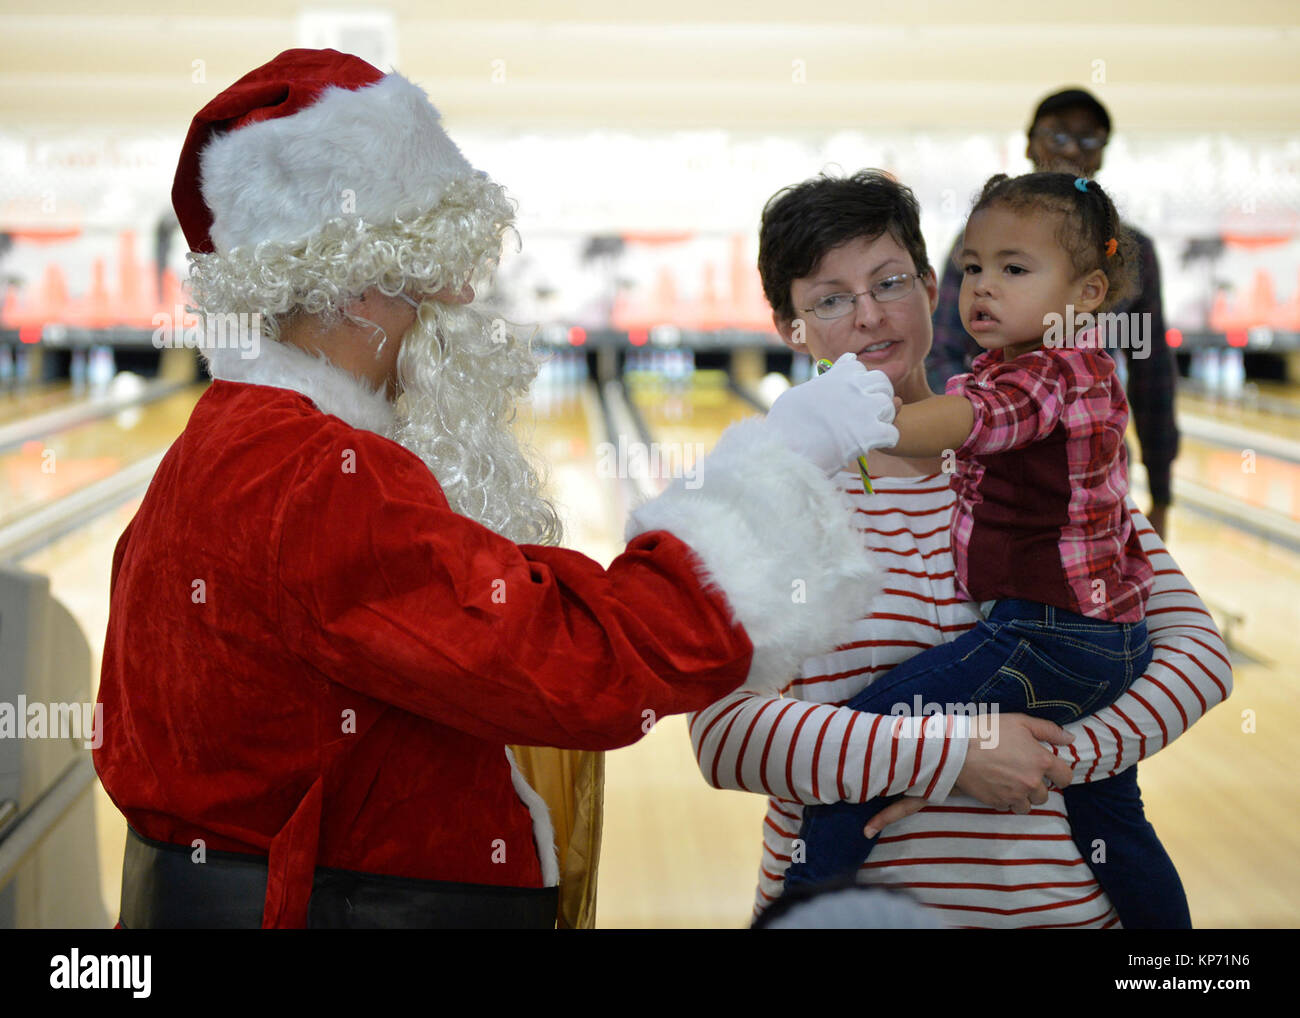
(1049,663)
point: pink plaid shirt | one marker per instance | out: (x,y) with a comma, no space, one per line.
(1041,482)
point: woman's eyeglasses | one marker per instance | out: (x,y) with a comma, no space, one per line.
(837,305)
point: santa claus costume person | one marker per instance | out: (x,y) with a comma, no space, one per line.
(341,599)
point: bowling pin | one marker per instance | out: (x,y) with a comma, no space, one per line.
(1213,371)
(1234,372)
(102,367)
(570,377)
(77,369)
(21,365)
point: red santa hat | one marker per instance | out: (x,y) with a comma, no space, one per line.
(312,136)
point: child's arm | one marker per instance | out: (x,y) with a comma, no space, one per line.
(926,429)
(1013,403)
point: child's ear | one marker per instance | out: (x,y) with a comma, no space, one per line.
(1092,291)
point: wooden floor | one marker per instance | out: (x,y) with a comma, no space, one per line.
(679,854)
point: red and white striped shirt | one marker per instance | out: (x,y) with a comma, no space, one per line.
(981,867)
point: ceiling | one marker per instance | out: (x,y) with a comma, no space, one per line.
(1160,65)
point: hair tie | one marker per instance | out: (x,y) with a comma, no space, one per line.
(1081,183)
(1112,246)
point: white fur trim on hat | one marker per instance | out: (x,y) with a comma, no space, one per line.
(375,153)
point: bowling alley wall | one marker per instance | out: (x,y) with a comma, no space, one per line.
(621,234)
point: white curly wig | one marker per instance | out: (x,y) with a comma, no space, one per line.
(459,377)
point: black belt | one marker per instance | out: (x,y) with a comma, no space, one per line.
(163,888)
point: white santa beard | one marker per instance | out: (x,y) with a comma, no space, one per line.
(459,382)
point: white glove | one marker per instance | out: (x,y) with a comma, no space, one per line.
(838,416)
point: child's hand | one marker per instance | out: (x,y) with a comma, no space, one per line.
(898,405)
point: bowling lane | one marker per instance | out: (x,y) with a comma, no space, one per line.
(1275,410)
(565,431)
(1241,471)
(55,465)
(696,411)
(17,401)
(79,565)
(1223,797)
(677,853)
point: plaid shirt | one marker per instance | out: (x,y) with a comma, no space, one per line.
(1151,379)
(1041,484)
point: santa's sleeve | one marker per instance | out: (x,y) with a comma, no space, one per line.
(1189,673)
(382,588)
(776,539)
(816,753)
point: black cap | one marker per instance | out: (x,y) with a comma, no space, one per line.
(1071,99)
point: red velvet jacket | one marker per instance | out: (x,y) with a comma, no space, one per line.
(310,656)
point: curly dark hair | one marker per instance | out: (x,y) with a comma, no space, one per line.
(803,222)
(1089,222)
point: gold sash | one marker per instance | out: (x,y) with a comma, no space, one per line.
(573,784)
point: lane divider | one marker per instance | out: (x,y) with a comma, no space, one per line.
(90,409)
(49,522)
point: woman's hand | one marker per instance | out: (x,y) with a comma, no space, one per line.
(1014,772)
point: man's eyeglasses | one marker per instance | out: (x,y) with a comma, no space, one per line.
(837,305)
(1059,141)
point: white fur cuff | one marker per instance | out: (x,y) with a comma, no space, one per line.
(777,539)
